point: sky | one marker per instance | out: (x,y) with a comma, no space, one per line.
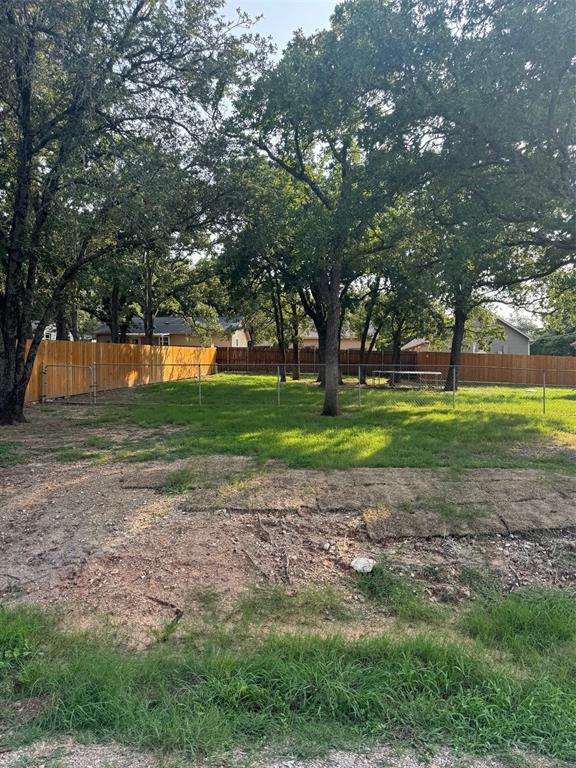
(282,17)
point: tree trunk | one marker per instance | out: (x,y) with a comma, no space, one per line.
(11,403)
(316,310)
(396,356)
(295,341)
(12,329)
(331,289)
(276,296)
(148,311)
(460,317)
(61,324)
(74,330)
(114,306)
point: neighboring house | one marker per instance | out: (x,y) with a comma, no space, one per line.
(417,345)
(347,340)
(515,341)
(176,332)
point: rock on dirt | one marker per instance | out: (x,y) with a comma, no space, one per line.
(363,564)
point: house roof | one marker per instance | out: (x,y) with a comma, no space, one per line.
(514,328)
(171,324)
(413,344)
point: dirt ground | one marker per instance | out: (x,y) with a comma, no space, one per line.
(67,754)
(106,541)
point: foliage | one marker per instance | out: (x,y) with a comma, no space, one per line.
(107,146)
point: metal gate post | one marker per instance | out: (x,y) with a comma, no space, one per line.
(454,373)
(359,388)
(43,375)
(544,393)
(93,383)
(278,385)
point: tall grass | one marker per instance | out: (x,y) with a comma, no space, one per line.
(309,693)
(523,622)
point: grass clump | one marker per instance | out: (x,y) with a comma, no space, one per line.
(72,453)
(100,442)
(278,604)
(309,693)
(180,481)
(523,622)
(8,454)
(398,595)
(446,509)
(482,583)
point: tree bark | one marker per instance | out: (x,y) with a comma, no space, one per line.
(396,355)
(12,336)
(363,353)
(331,289)
(148,300)
(295,341)
(316,311)
(276,295)
(460,317)
(61,324)
(114,309)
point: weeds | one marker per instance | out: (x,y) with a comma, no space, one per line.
(396,594)
(180,481)
(8,454)
(485,583)
(448,510)
(304,692)
(278,604)
(523,622)
(71,453)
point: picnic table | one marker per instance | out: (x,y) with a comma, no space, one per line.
(421,376)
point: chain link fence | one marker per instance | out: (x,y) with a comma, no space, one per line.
(541,393)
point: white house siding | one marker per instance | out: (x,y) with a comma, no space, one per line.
(513,343)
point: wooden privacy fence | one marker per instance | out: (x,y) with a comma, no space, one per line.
(535,370)
(66,368)
(475,368)
(267,359)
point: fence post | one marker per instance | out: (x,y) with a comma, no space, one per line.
(278,385)
(68,380)
(544,393)
(43,374)
(359,387)
(200,383)
(93,383)
(454,373)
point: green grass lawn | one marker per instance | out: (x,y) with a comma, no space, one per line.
(491,427)
(208,692)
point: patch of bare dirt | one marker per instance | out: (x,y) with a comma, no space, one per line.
(68,754)
(104,541)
